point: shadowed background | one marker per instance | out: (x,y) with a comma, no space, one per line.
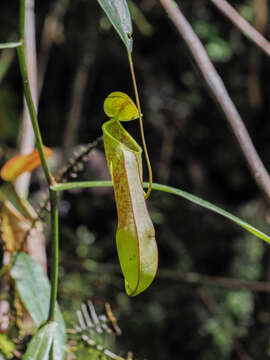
(190,146)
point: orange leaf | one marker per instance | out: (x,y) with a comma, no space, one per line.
(22,163)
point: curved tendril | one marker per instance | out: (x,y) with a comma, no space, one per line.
(141,125)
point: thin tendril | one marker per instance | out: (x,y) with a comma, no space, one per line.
(141,124)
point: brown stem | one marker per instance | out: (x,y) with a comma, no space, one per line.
(215,281)
(220,94)
(191,278)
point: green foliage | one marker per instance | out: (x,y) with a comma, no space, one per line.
(248,13)
(34,290)
(240,304)
(249,253)
(7,347)
(118,13)
(217,48)
(202,243)
(83,353)
(143,25)
(40,346)
(220,330)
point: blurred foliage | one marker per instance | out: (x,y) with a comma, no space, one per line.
(9,124)
(217,49)
(190,146)
(247,12)
(6,346)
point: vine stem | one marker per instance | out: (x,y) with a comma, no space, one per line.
(39,144)
(10,45)
(174,191)
(141,124)
(55,253)
(22,18)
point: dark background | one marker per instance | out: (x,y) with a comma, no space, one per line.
(190,146)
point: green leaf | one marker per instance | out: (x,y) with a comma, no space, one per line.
(135,237)
(118,13)
(41,343)
(198,201)
(34,290)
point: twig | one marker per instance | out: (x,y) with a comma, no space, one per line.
(81,157)
(192,278)
(215,281)
(220,94)
(243,25)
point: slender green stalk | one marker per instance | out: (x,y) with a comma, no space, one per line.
(55,253)
(141,124)
(81,185)
(22,19)
(51,353)
(178,192)
(10,45)
(29,99)
(46,170)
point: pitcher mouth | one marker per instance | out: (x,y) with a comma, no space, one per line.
(117,132)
